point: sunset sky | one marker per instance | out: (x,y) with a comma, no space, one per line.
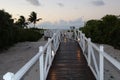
(62,12)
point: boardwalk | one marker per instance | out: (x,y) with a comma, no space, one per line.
(69,63)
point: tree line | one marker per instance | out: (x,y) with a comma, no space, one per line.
(12,32)
(105,31)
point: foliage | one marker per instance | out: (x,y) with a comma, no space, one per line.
(21,22)
(33,18)
(11,32)
(106,30)
(6,29)
(27,35)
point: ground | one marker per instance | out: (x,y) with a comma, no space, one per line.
(15,57)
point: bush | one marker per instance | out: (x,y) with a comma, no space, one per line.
(11,33)
(6,29)
(27,35)
(106,30)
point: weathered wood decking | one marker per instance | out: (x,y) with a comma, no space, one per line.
(69,63)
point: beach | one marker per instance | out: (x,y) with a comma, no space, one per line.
(111,72)
(18,55)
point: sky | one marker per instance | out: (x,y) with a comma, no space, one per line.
(61,13)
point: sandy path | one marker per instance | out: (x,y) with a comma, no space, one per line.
(110,71)
(14,58)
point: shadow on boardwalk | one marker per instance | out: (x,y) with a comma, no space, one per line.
(69,63)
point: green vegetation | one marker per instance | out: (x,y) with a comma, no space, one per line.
(106,30)
(27,35)
(11,32)
(33,18)
(21,22)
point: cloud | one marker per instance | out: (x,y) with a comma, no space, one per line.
(62,24)
(34,2)
(98,3)
(60,4)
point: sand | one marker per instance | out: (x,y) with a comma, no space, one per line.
(15,57)
(111,72)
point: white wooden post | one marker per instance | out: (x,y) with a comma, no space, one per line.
(75,35)
(8,76)
(79,34)
(41,63)
(83,42)
(49,51)
(80,39)
(54,41)
(101,65)
(89,52)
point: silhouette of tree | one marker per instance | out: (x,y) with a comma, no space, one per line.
(10,32)
(21,22)
(106,30)
(6,29)
(33,18)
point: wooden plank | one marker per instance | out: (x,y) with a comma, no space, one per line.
(69,63)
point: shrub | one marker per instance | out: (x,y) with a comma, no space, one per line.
(11,33)
(106,30)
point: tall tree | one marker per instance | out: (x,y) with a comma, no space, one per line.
(6,29)
(33,18)
(22,22)
(106,30)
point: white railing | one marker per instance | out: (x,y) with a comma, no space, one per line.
(95,61)
(45,57)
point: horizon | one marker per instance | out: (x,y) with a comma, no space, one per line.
(60,12)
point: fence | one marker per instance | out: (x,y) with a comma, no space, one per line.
(95,61)
(45,57)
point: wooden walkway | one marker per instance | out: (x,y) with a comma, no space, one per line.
(69,63)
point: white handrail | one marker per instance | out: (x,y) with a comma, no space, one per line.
(99,68)
(51,47)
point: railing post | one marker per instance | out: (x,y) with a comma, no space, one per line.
(80,39)
(83,42)
(101,65)
(54,41)
(8,76)
(89,53)
(78,34)
(49,51)
(75,34)
(41,63)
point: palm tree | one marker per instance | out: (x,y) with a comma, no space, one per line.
(22,22)
(33,18)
